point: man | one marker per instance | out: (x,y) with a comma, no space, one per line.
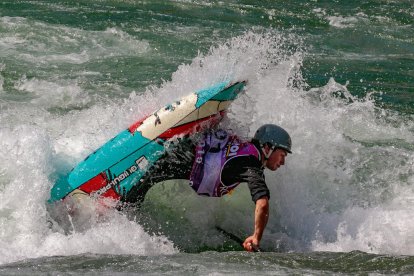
(218,163)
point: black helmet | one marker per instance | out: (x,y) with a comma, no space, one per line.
(274,135)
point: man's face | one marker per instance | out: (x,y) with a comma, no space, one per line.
(276,159)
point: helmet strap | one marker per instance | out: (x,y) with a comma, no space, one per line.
(267,155)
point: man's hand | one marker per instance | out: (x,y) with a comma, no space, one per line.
(251,244)
(261,216)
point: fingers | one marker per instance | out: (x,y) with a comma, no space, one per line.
(251,244)
(251,247)
(247,246)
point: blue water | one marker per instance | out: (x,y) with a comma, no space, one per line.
(339,76)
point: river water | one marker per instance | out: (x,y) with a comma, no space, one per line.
(338,75)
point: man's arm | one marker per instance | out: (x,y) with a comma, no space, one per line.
(261,216)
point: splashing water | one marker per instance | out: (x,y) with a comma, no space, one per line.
(347,185)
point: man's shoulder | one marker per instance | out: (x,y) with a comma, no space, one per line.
(245,161)
(241,166)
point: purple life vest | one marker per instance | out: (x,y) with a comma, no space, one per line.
(211,155)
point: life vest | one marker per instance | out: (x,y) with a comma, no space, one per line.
(211,155)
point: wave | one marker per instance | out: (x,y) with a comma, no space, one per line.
(350,157)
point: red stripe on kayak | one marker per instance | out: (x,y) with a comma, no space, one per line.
(136,125)
(96,184)
(192,127)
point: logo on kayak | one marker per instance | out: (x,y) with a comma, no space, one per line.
(140,164)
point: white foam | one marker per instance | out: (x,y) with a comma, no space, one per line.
(384,229)
(342,22)
(40,43)
(339,21)
(336,169)
(27,158)
(2,67)
(49,94)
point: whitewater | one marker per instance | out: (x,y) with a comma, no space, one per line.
(65,90)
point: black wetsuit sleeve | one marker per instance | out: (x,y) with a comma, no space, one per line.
(246,169)
(176,163)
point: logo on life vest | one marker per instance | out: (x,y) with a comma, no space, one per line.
(232,150)
(200,152)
